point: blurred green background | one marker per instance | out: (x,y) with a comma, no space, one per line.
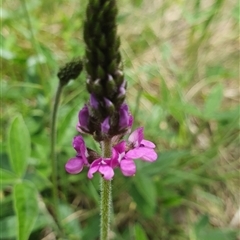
(181,62)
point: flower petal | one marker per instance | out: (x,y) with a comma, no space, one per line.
(105,126)
(74,165)
(80,147)
(94,167)
(106,171)
(123,118)
(147,154)
(128,167)
(114,158)
(83,117)
(120,147)
(136,137)
(150,155)
(93,101)
(147,143)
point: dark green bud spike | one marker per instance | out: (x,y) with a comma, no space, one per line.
(111,37)
(70,71)
(91,44)
(107,6)
(94,3)
(119,78)
(113,12)
(117,43)
(109,106)
(97,29)
(111,86)
(89,69)
(102,42)
(112,67)
(100,72)
(100,15)
(100,56)
(97,88)
(89,84)
(111,53)
(119,58)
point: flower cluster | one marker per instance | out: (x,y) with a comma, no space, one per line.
(123,152)
(106,116)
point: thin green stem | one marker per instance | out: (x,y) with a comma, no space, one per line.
(53,136)
(106,195)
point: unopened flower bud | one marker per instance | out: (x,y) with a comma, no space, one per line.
(109,106)
(105,126)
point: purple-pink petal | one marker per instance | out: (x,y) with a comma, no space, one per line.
(103,167)
(94,167)
(147,143)
(130,123)
(106,171)
(123,118)
(83,117)
(80,147)
(147,154)
(120,147)
(136,137)
(105,126)
(74,165)
(93,101)
(128,167)
(114,159)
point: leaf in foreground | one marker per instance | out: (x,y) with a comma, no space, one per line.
(26,208)
(19,145)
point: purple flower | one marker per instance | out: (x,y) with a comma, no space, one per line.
(141,148)
(83,118)
(75,165)
(104,166)
(125,118)
(105,126)
(126,164)
(94,102)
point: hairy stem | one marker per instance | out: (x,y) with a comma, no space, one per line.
(106,195)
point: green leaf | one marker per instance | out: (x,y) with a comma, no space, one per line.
(146,188)
(140,233)
(165,161)
(202,224)
(26,208)
(19,146)
(137,3)
(70,221)
(7,177)
(7,225)
(213,101)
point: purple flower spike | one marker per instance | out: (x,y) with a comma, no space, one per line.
(102,166)
(74,165)
(83,118)
(142,148)
(93,101)
(105,126)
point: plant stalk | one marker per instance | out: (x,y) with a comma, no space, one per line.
(106,195)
